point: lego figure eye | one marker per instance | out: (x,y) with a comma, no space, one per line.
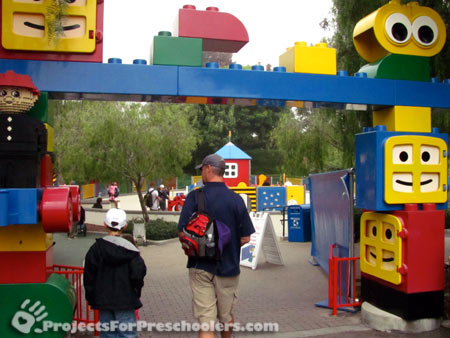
(388,233)
(429,155)
(371,229)
(402,154)
(3,92)
(425,30)
(15,93)
(398,28)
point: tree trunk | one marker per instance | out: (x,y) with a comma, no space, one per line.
(138,184)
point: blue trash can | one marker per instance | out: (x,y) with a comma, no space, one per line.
(299,223)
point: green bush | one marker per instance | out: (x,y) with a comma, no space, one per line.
(157,229)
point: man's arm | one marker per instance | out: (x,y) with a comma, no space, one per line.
(245,240)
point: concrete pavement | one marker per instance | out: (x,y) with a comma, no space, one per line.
(270,294)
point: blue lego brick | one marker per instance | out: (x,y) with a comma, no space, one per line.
(370,165)
(97,78)
(138,82)
(271,103)
(283,86)
(18,206)
(271,198)
(339,88)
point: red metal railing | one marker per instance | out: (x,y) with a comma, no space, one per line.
(340,295)
(83,312)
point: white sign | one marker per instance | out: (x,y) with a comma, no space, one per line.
(263,239)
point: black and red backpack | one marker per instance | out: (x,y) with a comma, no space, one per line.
(204,236)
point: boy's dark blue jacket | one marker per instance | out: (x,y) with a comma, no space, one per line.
(114,274)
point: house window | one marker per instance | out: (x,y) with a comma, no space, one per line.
(231,170)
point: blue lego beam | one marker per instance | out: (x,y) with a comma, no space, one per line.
(140,82)
(96,78)
(284,86)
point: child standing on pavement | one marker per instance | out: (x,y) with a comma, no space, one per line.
(113,278)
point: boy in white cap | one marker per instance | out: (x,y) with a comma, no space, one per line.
(113,278)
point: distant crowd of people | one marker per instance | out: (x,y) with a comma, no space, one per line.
(157,199)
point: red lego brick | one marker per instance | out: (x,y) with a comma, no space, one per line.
(25,266)
(46,171)
(422,250)
(221,32)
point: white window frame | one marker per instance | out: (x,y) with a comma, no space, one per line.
(231,170)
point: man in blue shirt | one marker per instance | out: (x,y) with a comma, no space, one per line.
(214,284)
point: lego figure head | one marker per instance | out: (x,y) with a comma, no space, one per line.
(381,247)
(26,25)
(415,169)
(394,28)
(17,93)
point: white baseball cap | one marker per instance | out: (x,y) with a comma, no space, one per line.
(116,218)
(161,186)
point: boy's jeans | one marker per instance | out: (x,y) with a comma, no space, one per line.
(115,324)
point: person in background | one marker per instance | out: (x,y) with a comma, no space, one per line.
(154,194)
(113,193)
(98,203)
(163,197)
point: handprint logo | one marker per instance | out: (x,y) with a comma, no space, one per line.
(24,319)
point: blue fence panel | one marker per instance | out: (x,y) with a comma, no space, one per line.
(331,215)
(271,198)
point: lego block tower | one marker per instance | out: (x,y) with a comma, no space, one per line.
(401,169)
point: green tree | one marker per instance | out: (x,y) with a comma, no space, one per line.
(113,140)
(250,128)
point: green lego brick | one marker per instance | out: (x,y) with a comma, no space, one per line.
(28,308)
(40,110)
(399,67)
(175,51)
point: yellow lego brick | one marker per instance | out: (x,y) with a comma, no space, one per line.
(298,104)
(415,170)
(24,238)
(381,246)
(25,26)
(403,118)
(50,138)
(315,60)
(295,194)
(196,99)
(89,190)
(396,28)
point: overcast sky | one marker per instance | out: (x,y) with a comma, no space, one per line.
(272,26)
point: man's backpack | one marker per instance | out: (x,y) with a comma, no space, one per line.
(204,236)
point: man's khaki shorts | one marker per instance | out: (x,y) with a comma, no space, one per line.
(212,296)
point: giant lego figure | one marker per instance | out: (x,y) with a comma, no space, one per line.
(401,169)
(30,212)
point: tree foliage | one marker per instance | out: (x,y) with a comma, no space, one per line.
(250,130)
(110,141)
(323,139)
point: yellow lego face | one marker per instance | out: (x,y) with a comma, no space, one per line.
(407,29)
(25,26)
(415,170)
(381,247)
(16,99)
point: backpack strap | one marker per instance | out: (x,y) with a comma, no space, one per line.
(201,200)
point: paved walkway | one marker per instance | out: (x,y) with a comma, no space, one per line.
(282,294)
